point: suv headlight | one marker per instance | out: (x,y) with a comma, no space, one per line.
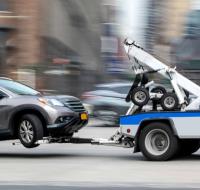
(55,102)
(51,102)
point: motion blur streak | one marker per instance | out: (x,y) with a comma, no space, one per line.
(70,46)
(75,47)
(67,46)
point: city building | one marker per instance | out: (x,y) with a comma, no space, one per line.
(43,36)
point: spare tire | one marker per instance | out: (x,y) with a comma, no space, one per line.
(140,96)
(169,101)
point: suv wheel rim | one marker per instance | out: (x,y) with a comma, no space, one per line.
(26,131)
(157,142)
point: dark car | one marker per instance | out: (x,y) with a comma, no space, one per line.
(27,115)
(107,101)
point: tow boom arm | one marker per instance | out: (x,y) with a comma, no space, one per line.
(178,81)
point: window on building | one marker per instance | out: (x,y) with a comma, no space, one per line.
(4,5)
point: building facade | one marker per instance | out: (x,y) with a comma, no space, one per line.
(44,36)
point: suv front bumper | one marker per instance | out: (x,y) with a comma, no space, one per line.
(67,125)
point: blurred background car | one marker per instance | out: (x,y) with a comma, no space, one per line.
(107,101)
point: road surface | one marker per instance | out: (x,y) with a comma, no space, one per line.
(92,167)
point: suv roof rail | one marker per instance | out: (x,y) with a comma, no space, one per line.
(6,78)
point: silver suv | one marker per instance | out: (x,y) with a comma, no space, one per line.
(27,115)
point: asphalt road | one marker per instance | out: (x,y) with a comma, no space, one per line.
(33,187)
(71,166)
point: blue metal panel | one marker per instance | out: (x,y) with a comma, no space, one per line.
(137,118)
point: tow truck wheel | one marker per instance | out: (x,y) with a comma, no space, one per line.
(140,96)
(157,142)
(169,101)
(30,130)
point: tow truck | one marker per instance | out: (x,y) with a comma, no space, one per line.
(168,128)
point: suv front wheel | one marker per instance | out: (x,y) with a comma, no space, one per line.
(30,130)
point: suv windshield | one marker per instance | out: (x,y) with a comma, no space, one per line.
(18,88)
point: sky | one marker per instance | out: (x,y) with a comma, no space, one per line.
(133,19)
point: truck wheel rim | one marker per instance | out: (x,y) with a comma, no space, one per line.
(26,131)
(157,142)
(169,102)
(140,96)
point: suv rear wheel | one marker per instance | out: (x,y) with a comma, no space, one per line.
(30,130)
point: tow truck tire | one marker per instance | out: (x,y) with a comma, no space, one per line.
(157,142)
(30,130)
(140,96)
(188,147)
(169,101)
